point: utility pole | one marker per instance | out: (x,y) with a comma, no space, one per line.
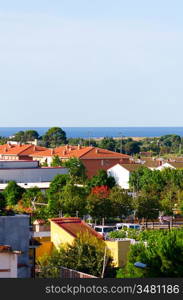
(121,142)
(180,148)
(89,137)
(104,262)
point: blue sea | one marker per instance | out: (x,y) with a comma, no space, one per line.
(98,132)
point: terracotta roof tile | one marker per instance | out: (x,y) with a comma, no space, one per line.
(75,226)
(81,152)
(131,167)
(177,165)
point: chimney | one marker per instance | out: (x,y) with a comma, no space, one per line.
(79,147)
(64,152)
(67,147)
(97,150)
(52,151)
(160,162)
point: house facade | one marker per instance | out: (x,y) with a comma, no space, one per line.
(93,158)
(121,173)
(8,262)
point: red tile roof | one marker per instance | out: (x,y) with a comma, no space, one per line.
(27,149)
(75,226)
(98,153)
(131,167)
(8,249)
(81,152)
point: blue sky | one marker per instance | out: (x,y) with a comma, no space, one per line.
(91,63)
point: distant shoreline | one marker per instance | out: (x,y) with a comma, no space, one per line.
(136,133)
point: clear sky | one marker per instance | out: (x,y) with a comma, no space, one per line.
(91,63)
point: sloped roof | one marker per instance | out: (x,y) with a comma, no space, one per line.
(177,165)
(131,167)
(81,152)
(100,153)
(150,162)
(17,149)
(74,226)
(24,149)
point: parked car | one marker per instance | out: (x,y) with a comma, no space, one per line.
(104,230)
(120,226)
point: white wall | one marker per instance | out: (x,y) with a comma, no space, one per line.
(165,165)
(121,176)
(44,159)
(8,260)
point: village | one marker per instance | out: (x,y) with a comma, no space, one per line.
(53,199)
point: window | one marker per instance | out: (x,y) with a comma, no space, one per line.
(98,229)
(108,229)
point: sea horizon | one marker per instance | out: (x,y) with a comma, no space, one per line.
(100,132)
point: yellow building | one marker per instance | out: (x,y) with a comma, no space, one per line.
(65,230)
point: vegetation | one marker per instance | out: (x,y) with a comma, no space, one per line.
(56,161)
(13,193)
(54,137)
(85,254)
(162,253)
(101,179)
(77,170)
(25,136)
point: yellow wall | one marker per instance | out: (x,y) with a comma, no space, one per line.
(45,249)
(60,236)
(119,251)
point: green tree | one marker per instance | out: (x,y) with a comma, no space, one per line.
(77,170)
(25,136)
(13,193)
(122,203)
(57,184)
(19,136)
(108,143)
(162,253)
(73,199)
(54,194)
(2,202)
(85,254)
(99,207)
(54,137)
(147,206)
(102,179)
(132,147)
(31,135)
(169,197)
(56,161)
(31,194)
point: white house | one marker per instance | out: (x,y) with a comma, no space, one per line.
(172,165)
(121,173)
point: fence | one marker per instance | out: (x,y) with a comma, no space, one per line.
(69,273)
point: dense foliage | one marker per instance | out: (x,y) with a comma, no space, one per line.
(162,253)
(85,254)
